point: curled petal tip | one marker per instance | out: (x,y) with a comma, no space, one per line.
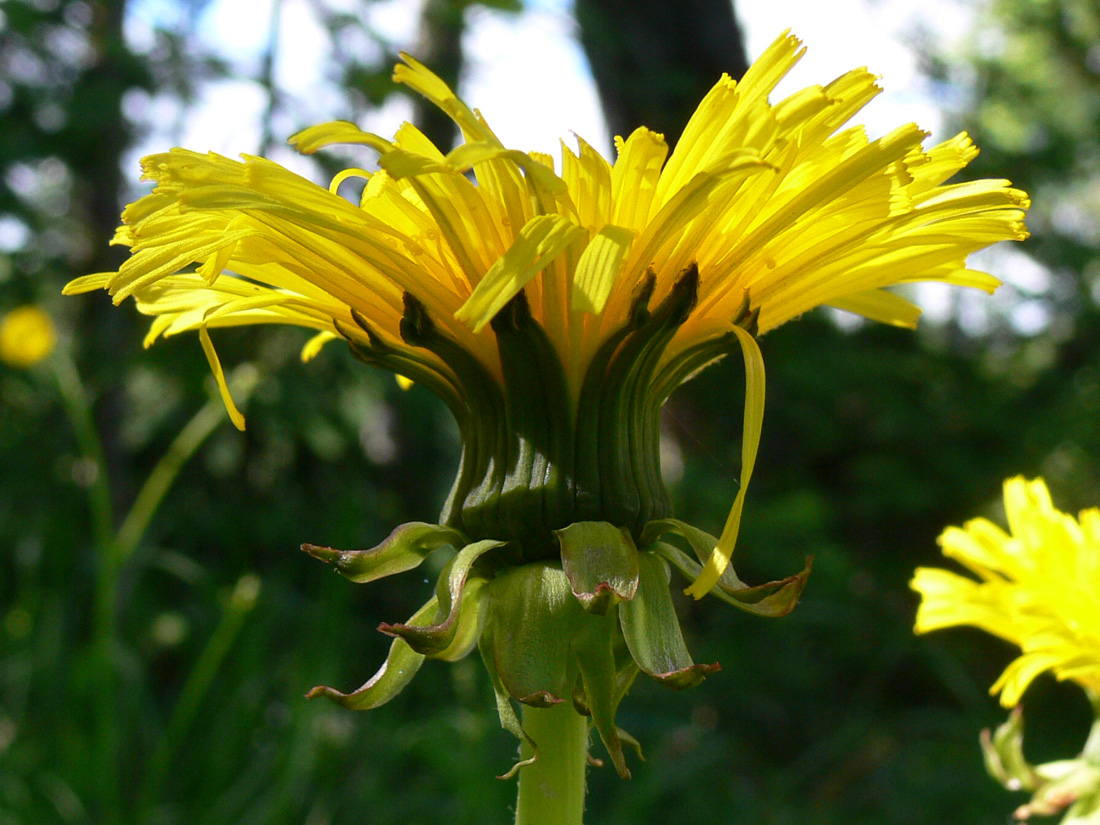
(326,554)
(523,763)
(541,699)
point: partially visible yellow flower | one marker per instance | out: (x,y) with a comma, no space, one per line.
(1038,586)
(27,335)
(763,211)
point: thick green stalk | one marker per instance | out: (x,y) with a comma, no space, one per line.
(551,789)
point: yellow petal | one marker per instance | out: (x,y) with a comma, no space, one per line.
(88,283)
(422,80)
(219,376)
(598,268)
(588,179)
(750,441)
(882,306)
(317,137)
(458,208)
(1020,673)
(539,242)
(634,177)
(314,344)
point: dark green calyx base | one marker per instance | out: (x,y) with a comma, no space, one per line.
(538,455)
(535,459)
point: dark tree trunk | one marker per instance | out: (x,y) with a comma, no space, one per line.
(442,23)
(653,60)
(98,138)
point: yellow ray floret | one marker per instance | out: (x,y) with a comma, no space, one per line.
(1036,586)
(775,203)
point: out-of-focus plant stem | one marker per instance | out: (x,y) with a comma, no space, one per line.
(191,437)
(112,552)
(106,582)
(238,606)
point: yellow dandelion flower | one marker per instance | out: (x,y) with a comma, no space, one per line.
(27,335)
(776,208)
(1038,587)
(554,309)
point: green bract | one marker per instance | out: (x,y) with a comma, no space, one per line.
(575,629)
(1066,786)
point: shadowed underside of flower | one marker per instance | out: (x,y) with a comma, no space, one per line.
(554,310)
(1038,587)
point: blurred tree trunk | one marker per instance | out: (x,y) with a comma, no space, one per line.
(654,60)
(97,136)
(442,23)
(107,135)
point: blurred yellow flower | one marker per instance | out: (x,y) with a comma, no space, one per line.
(1038,587)
(27,335)
(761,212)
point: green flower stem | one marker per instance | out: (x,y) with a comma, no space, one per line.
(106,757)
(198,683)
(80,417)
(551,789)
(112,552)
(164,473)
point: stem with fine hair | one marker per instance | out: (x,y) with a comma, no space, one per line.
(551,789)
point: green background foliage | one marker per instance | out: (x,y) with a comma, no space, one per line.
(152,695)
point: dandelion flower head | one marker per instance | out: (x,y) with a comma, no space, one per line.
(761,212)
(1036,586)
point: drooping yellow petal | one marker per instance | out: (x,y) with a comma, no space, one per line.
(1020,673)
(219,376)
(314,344)
(882,306)
(750,442)
(318,137)
(88,283)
